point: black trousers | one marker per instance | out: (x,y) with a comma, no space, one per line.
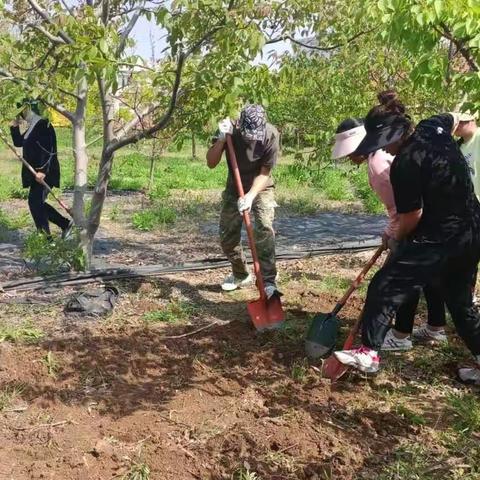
(411,268)
(405,317)
(42,212)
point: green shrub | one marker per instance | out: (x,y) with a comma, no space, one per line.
(334,183)
(362,187)
(151,218)
(173,312)
(50,257)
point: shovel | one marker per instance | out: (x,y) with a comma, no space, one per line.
(266,313)
(34,173)
(323,331)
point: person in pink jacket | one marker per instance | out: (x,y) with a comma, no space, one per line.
(349,134)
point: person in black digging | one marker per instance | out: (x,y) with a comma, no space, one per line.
(439,226)
(39,144)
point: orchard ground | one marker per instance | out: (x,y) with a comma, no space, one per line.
(138,396)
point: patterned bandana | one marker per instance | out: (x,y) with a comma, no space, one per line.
(253,121)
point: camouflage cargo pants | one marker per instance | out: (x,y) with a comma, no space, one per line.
(263,210)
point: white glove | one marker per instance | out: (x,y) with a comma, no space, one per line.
(245,203)
(225,127)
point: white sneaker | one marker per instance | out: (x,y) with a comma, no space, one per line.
(426,335)
(232,283)
(363,359)
(394,344)
(469,375)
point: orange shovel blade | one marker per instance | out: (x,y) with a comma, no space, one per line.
(333,369)
(266,314)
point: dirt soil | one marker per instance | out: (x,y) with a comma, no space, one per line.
(206,405)
(200,394)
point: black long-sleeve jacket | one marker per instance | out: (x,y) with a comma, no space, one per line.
(40,151)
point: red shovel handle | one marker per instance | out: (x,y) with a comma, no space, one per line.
(355,284)
(246,216)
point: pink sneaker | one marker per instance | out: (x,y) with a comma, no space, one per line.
(363,359)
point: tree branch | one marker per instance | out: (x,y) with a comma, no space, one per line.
(128,127)
(460,45)
(128,29)
(136,137)
(43,14)
(56,40)
(316,47)
(60,109)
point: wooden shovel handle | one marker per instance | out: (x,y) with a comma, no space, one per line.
(356,283)
(246,217)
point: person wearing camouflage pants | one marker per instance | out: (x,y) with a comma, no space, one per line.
(256,147)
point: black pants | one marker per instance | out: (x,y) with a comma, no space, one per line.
(435,306)
(42,212)
(411,268)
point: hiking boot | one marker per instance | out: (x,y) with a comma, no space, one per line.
(470,376)
(231,283)
(271,290)
(363,359)
(394,344)
(424,334)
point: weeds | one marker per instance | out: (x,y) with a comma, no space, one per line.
(138,471)
(19,333)
(173,312)
(52,364)
(245,474)
(466,411)
(8,396)
(50,257)
(299,370)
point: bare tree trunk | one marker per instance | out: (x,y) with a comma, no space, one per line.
(81,165)
(152,165)
(105,168)
(194,147)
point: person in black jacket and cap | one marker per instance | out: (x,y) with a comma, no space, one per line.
(439,229)
(39,144)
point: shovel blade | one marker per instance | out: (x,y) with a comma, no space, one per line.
(321,336)
(266,314)
(333,369)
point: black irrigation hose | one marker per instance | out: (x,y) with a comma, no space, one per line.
(38,283)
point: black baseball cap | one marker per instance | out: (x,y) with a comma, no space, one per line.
(383,128)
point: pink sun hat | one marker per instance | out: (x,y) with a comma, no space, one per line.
(348,141)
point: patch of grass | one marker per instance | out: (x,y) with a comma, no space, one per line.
(14,222)
(173,312)
(361,185)
(8,395)
(155,217)
(52,364)
(24,332)
(138,471)
(299,370)
(466,412)
(410,415)
(334,283)
(411,462)
(302,206)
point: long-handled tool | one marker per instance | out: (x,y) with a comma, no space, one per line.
(322,334)
(34,173)
(266,313)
